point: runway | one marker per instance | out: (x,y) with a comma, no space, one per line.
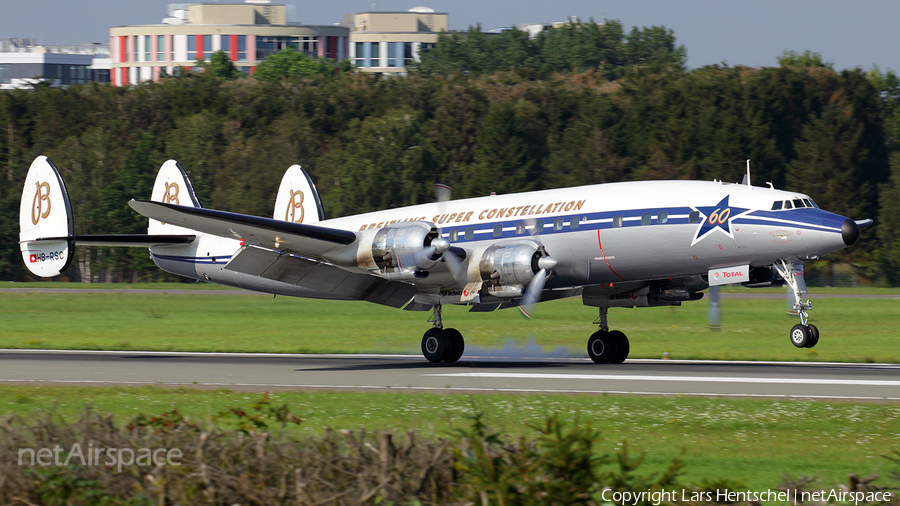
(258,372)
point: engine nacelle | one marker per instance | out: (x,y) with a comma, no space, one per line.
(507,268)
(404,248)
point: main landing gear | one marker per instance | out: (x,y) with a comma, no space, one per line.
(440,344)
(804,334)
(605,347)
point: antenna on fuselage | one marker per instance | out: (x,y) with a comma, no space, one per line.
(746,180)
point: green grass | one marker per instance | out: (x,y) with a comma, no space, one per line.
(752,441)
(853,330)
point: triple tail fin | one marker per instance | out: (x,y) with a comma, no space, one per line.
(46,226)
(172,186)
(298,200)
(47,229)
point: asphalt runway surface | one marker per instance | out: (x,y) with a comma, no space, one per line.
(401,373)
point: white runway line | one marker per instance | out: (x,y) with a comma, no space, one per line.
(704,379)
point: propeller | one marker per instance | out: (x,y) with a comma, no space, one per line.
(536,285)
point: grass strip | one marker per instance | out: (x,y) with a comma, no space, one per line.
(853,330)
(750,441)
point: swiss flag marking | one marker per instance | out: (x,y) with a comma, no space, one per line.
(33,258)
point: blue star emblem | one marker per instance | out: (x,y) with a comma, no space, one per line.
(717,217)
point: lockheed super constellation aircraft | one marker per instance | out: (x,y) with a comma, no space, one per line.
(637,244)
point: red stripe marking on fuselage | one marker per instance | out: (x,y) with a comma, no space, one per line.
(604,256)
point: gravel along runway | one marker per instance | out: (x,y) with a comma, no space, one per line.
(257,372)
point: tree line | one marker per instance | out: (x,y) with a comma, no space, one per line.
(374,142)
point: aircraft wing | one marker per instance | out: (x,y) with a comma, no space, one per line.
(308,240)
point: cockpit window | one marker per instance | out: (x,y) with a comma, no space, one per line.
(808,203)
(788,205)
(798,204)
(776,206)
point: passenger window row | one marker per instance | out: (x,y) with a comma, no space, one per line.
(574,223)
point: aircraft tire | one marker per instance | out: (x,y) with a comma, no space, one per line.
(602,347)
(435,344)
(813,336)
(800,335)
(622,347)
(457,346)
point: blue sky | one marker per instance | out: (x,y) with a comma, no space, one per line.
(746,32)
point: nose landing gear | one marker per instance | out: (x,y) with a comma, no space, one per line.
(804,334)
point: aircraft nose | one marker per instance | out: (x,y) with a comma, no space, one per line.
(850,232)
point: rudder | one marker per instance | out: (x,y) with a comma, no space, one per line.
(46,226)
(298,200)
(172,186)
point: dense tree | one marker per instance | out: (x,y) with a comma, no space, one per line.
(584,103)
(572,47)
(291,64)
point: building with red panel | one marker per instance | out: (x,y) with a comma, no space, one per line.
(247,32)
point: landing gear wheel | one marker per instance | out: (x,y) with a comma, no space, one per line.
(457,346)
(602,347)
(622,347)
(813,336)
(435,344)
(800,335)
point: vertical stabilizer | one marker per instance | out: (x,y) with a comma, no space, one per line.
(172,186)
(46,226)
(297,200)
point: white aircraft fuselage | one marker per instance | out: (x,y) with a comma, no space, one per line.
(650,243)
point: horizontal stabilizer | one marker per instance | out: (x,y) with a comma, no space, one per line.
(310,240)
(132,240)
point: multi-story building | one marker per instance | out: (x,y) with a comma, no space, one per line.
(247,32)
(386,42)
(23,63)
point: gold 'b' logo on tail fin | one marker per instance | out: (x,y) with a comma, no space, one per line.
(295,203)
(37,207)
(171,194)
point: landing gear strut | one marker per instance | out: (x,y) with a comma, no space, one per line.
(804,334)
(605,347)
(440,344)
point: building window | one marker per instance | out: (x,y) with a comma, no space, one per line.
(242,47)
(192,48)
(391,54)
(266,46)
(360,54)
(408,54)
(206,50)
(160,48)
(307,45)
(426,46)
(226,44)
(376,62)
